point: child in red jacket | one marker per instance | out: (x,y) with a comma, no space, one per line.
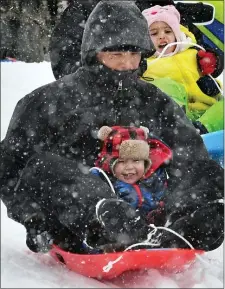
(136,165)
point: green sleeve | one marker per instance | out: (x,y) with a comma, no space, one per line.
(172,88)
(213,118)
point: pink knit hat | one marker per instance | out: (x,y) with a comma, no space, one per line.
(167,14)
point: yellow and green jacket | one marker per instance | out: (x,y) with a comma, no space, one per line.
(183,69)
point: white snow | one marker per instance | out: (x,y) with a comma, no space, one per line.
(21,268)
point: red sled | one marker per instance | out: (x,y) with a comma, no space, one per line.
(111,265)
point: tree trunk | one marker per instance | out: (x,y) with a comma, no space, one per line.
(26,27)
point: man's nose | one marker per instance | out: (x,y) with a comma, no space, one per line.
(129,64)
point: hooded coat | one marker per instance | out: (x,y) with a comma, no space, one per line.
(66,39)
(52,139)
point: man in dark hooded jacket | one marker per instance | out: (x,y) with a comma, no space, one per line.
(52,142)
(65,42)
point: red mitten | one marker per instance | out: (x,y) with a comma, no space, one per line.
(207,62)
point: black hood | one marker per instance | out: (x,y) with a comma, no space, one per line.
(115,24)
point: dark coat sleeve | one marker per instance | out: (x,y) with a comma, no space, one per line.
(25,137)
(194,203)
(195,12)
(34,178)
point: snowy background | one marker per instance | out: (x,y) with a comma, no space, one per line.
(20,268)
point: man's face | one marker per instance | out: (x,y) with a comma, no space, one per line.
(118,60)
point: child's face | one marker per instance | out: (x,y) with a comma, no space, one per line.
(129,170)
(161,35)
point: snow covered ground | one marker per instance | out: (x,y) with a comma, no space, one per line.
(21,268)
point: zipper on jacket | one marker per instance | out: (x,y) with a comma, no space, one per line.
(120,87)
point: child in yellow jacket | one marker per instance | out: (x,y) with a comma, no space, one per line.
(185,64)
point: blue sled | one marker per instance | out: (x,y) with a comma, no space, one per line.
(214,143)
